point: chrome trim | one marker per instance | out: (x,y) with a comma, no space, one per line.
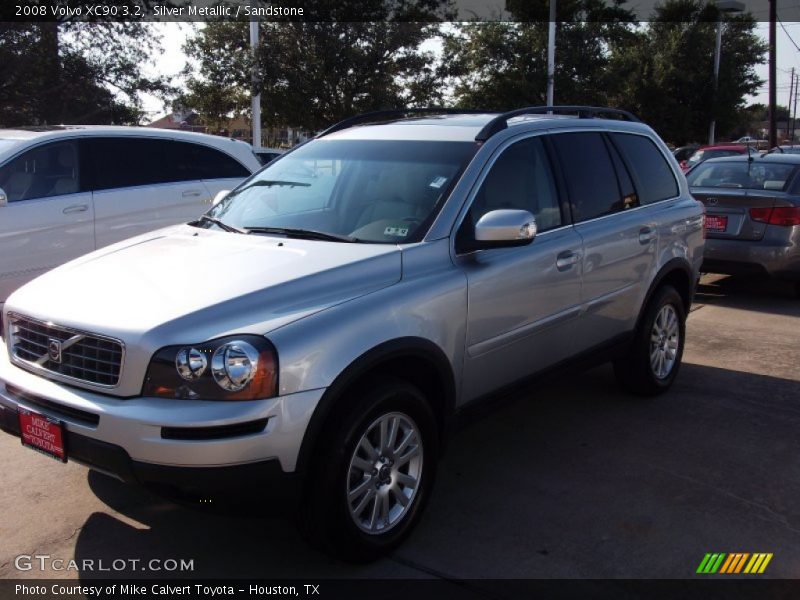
(39,370)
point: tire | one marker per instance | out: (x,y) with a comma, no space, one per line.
(344,512)
(653,360)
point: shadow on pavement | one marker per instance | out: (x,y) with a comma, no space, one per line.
(568,479)
(749,293)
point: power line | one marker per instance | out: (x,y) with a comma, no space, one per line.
(789,36)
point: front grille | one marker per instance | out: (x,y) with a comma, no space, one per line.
(65,352)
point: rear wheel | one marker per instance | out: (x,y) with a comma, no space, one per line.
(373,473)
(652,362)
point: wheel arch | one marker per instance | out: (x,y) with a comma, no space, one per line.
(678,273)
(415,359)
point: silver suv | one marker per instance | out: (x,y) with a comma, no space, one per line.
(318,331)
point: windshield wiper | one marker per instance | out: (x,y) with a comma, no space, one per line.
(221,224)
(304,233)
(269,183)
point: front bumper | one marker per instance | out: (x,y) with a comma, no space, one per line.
(189,444)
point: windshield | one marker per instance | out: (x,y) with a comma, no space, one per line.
(363,190)
(764,176)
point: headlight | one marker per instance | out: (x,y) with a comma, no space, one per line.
(232,368)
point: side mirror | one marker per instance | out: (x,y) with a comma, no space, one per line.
(220,195)
(505,228)
(3,198)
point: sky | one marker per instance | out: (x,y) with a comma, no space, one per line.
(172,60)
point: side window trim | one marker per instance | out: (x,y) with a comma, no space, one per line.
(619,162)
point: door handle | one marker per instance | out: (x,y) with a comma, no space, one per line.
(565,260)
(192,193)
(77,208)
(646,235)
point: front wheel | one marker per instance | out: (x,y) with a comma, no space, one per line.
(652,362)
(373,474)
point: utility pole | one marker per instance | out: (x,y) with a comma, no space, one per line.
(789,106)
(773,130)
(255,83)
(794,116)
(717,51)
(551,52)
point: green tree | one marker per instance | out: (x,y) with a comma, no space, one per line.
(665,74)
(503,65)
(68,72)
(311,74)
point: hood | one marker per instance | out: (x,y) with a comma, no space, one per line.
(207,282)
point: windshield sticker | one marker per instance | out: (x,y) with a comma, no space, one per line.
(398,231)
(438,182)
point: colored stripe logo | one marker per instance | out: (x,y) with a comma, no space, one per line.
(734,563)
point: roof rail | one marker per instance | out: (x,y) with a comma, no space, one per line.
(584,112)
(380,115)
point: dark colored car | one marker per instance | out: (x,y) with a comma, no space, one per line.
(704,153)
(752,214)
(683,153)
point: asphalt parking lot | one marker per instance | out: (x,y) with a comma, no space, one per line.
(570,479)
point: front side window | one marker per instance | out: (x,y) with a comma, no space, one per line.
(742,174)
(651,173)
(49,170)
(592,181)
(367,190)
(521,178)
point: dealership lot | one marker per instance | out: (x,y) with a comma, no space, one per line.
(569,478)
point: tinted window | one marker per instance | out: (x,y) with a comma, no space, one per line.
(50,170)
(651,173)
(193,161)
(127,162)
(757,176)
(629,196)
(521,178)
(592,182)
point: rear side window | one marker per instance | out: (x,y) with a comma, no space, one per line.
(48,170)
(193,161)
(589,172)
(651,173)
(128,162)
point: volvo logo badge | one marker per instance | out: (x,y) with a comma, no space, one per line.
(54,350)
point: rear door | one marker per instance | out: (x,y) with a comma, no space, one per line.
(620,233)
(138,187)
(49,216)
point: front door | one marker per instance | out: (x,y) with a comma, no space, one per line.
(49,219)
(522,302)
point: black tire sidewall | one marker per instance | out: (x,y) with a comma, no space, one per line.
(335,527)
(666,295)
